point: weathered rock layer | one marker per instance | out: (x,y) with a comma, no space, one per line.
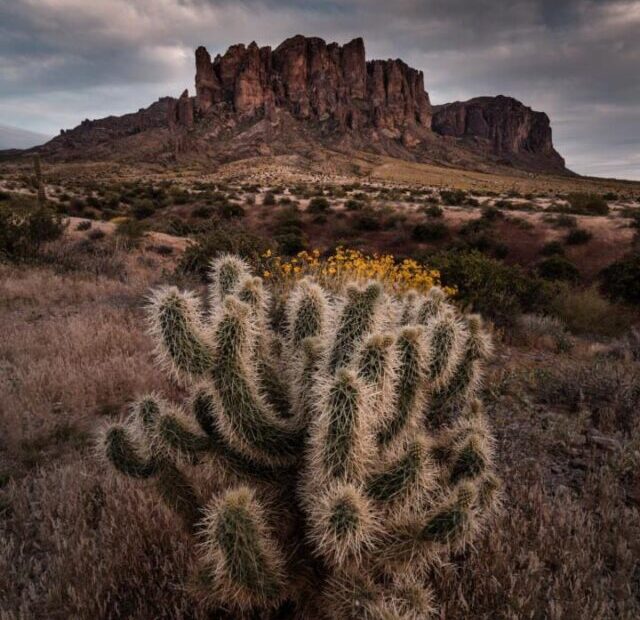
(507,127)
(314,80)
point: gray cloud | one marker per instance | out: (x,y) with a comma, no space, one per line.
(64,60)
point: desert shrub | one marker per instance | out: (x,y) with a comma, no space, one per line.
(588,204)
(429,231)
(453,197)
(499,291)
(309,461)
(143,209)
(85,225)
(161,248)
(203,211)
(578,236)
(23,230)
(534,330)
(558,268)
(552,248)
(96,234)
(130,231)
(564,221)
(353,205)
(229,210)
(223,239)
(269,199)
(621,280)
(434,211)
(318,204)
(610,389)
(491,214)
(367,220)
(586,311)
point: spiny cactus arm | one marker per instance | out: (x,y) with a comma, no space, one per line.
(247,566)
(179,494)
(275,390)
(406,597)
(126,455)
(445,336)
(356,319)
(246,420)
(343,525)
(204,410)
(470,461)
(226,273)
(431,305)
(410,385)
(304,370)
(409,308)
(451,397)
(175,322)
(307,312)
(404,474)
(341,441)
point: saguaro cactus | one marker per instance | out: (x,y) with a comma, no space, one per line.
(325,468)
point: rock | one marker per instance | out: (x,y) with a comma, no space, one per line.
(503,125)
(315,81)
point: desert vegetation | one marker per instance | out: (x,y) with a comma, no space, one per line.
(560,395)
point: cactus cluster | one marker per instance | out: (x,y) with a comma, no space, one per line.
(330,456)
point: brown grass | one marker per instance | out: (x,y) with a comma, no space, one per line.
(78,542)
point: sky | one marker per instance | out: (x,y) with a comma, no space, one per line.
(578,60)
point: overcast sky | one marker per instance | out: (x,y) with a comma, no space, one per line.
(578,60)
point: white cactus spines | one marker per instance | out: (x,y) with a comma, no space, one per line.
(347,455)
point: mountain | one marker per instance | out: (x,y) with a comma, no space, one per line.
(15,138)
(308,97)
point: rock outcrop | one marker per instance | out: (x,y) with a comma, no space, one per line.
(306,93)
(505,127)
(316,81)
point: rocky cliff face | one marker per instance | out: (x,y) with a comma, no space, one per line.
(306,93)
(503,125)
(314,80)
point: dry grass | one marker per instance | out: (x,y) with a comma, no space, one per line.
(81,543)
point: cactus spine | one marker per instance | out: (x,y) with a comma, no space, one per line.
(338,458)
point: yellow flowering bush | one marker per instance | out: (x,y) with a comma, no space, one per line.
(347,264)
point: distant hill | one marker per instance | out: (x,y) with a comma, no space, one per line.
(15,138)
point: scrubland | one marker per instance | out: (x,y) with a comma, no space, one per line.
(562,392)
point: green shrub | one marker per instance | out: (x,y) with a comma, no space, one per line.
(353,205)
(269,199)
(453,197)
(621,280)
(558,267)
(23,230)
(84,225)
(434,211)
(499,291)
(578,236)
(318,204)
(552,248)
(429,232)
(588,204)
(586,311)
(143,209)
(223,239)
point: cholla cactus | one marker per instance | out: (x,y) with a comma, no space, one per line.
(324,468)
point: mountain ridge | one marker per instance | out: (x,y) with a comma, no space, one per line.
(306,94)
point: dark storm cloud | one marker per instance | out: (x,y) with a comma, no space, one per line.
(62,60)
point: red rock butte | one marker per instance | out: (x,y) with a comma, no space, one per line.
(253,100)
